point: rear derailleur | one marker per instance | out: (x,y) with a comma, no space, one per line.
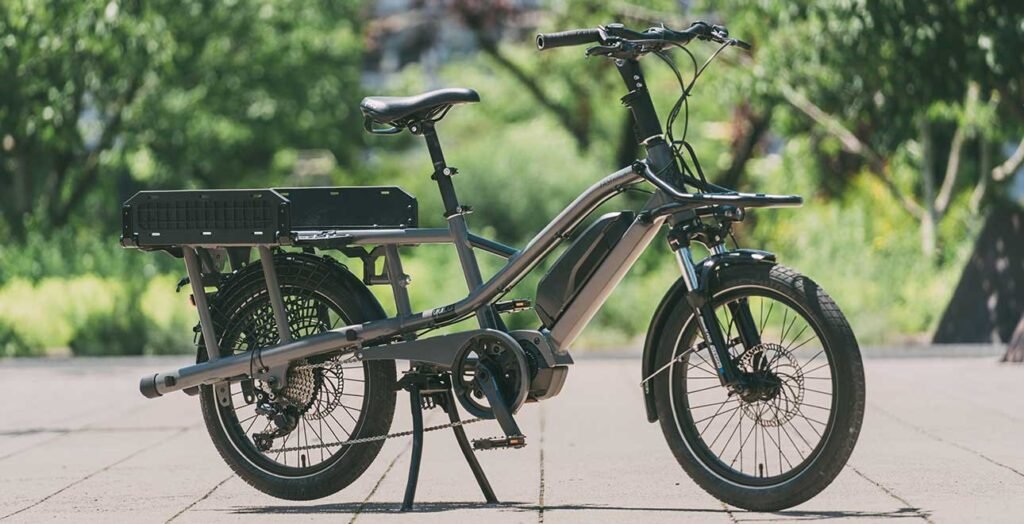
(285,419)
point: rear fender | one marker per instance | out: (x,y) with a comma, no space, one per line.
(252,275)
(707,275)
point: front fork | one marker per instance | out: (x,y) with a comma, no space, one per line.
(700,299)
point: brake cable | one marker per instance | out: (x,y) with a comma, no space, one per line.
(682,103)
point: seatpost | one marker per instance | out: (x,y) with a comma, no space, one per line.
(455,214)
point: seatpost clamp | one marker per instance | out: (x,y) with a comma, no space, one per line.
(450,171)
(459,210)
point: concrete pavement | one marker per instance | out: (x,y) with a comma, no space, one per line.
(942,442)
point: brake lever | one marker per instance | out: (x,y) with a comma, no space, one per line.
(603,50)
(623,49)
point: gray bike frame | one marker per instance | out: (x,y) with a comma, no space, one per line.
(274,360)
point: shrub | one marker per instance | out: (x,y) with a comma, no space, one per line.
(11,344)
(118,332)
(147,319)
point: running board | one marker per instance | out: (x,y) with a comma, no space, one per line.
(441,351)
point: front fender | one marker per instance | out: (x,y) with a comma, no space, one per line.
(707,273)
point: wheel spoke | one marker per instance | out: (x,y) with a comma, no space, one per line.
(735,412)
(713,416)
(797,337)
(770,419)
(719,410)
(252,327)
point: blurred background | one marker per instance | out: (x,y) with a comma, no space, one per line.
(900,122)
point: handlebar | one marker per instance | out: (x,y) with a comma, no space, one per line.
(568,38)
(613,34)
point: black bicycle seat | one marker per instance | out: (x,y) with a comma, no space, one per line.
(388,109)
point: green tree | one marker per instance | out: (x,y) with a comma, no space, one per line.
(881,80)
(102,96)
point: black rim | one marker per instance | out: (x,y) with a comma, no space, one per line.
(769,439)
(334,413)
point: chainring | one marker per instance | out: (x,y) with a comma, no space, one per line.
(513,374)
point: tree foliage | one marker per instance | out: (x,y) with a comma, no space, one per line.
(936,85)
(97,96)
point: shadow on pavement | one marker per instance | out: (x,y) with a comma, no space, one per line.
(798,515)
(439,507)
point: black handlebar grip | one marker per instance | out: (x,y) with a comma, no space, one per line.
(568,38)
(742,45)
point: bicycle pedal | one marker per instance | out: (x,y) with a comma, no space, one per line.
(515,442)
(513,306)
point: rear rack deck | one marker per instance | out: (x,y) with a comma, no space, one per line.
(166,220)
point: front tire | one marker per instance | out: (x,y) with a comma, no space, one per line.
(806,427)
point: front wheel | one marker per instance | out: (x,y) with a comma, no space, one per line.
(787,436)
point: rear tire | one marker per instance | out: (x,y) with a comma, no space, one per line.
(307,283)
(694,448)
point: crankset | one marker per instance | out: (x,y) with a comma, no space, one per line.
(491,379)
(490,367)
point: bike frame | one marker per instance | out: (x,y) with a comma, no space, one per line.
(668,205)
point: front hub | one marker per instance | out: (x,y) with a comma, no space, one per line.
(772,384)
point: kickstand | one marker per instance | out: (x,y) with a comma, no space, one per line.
(467,450)
(441,394)
(417,446)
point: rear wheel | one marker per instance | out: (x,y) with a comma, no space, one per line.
(326,400)
(786,437)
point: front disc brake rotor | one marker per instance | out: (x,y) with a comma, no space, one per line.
(778,376)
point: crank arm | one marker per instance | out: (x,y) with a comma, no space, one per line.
(489,386)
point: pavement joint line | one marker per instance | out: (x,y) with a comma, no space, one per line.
(87,429)
(200,499)
(31,446)
(366,500)
(888,491)
(948,442)
(540,494)
(729,512)
(94,473)
(362,505)
(62,435)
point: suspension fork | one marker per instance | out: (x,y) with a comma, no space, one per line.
(707,321)
(749,331)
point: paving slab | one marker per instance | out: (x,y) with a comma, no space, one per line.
(941,443)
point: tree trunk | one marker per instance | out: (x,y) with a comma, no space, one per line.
(752,127)
(930,215)
(987,305)
(1015,351)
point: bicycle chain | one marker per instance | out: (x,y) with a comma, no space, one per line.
(374,439)
(364,440)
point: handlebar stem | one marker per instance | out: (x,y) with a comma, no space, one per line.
(646,125)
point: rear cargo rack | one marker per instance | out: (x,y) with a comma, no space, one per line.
(154,220)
